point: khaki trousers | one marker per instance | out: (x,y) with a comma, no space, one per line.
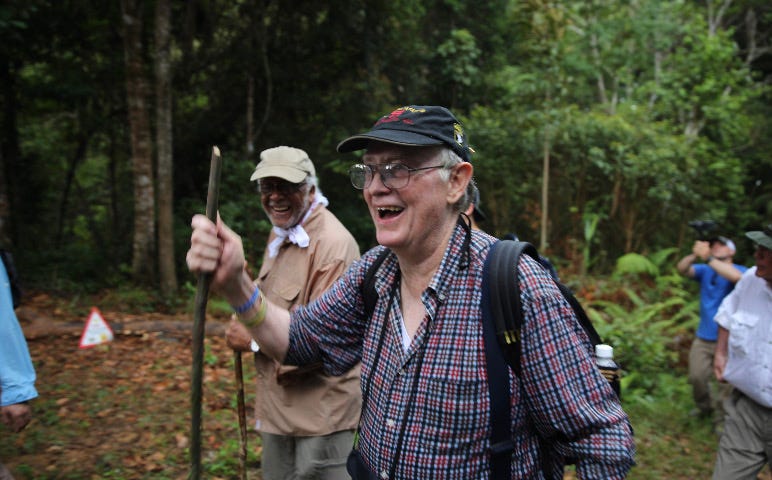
(708,394)
(306,458)
(746,443)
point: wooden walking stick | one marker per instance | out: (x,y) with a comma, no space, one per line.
(199,319)
(242,414)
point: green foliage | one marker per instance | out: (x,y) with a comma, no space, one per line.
(641,339)
(590,226)
(458,56)
(639,265)
(634,263)
(613,151)
(210,358)
(215,305)
(643,313)
(670,443)
(225,460)
(649,117)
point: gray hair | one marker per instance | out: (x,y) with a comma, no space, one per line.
(314,180)
(470,196)
(450,159)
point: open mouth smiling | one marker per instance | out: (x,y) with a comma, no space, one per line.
(280,208)
(387,212)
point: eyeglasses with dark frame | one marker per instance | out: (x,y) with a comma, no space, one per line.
(281,187)
(393,175)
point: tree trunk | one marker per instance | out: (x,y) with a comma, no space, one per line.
(168,274)
(9,153)
(263,44)
(69,178)
(41,324)
(716,14)
(250,144)
(5,208)
(141,149)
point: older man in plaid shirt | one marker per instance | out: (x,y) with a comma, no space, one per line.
(426,411)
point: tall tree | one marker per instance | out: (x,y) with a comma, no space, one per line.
(9,151)
(10,47)
(163,95)
(143,251)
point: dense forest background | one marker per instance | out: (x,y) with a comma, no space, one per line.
(601,128)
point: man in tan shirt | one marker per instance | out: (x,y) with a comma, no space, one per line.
(306,418)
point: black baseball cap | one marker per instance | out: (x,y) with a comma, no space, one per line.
(415,126)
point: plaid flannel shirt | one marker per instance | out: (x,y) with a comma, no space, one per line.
(434,396)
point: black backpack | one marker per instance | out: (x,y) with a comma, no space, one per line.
(504,301)
(502,323)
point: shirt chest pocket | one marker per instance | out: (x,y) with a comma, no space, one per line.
(286,293)
(741,336)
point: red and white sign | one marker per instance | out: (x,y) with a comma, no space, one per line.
(97,331)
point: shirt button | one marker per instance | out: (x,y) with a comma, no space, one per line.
(384,474)
(390,423)
(441,297)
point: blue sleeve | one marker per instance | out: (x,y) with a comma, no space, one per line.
(17,375)
(699,270)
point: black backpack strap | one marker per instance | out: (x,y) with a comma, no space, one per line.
(502,323)
(507,314)
(369,295)
(496,313)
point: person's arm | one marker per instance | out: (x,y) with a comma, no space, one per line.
(685,265)
(218,250)
(17,374)
(700,251)
(725,268)
(722,353)
(16,416)
(573,404)
(723,318)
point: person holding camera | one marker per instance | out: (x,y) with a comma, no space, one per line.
(710,264)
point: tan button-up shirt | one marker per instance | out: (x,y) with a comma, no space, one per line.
(304,401)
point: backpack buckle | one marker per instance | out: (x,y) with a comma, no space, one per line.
(510,336)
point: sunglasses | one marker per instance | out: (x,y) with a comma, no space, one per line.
(281,187)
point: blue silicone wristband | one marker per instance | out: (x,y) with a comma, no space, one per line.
(249,303)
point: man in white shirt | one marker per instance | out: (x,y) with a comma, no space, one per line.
(743,358)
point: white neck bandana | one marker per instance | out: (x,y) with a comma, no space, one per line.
(296,234)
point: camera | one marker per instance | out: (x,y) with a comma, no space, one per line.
(703,228)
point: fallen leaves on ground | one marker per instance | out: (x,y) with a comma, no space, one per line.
(123,410)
